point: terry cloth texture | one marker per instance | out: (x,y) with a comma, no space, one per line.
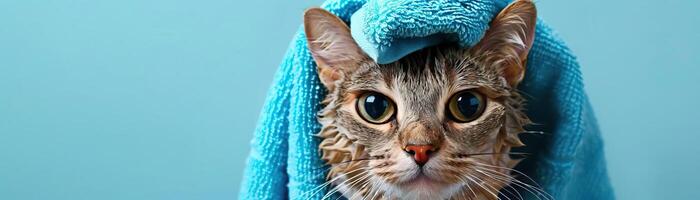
(566,160)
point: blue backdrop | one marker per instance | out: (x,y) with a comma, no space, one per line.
(158,99)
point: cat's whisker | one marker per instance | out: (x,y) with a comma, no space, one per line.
(470,189)
(528,188)
(491,186)
(481,186)
(501,175)
(466,183)
(360,190)
(377,190)
(466,193)
(334,189)
(359,180)
(511,170)
(507,181)
(537,191)
(369,190)
(520,196)
(487,185)
(352,180)
(510,187)
(537,187)
(492,153)
(320,188)
(507,185)
(536,132)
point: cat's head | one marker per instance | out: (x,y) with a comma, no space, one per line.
(438,121)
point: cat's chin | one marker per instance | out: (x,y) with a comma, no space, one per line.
(422,182)
(424,185)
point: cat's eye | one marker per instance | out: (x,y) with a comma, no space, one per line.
(375,108)
(465,106)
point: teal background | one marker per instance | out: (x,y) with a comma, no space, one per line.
(155,99)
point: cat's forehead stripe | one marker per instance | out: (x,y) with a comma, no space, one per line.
(366,78)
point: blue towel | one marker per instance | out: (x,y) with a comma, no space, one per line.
(567,160)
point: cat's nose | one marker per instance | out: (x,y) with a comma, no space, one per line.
(420,153)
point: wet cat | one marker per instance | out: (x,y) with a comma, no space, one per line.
(436,124)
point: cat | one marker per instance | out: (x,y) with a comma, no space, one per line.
(436,124)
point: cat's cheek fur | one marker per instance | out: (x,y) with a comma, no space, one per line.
(483,129)
(363,133)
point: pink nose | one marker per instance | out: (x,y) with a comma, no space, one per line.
(421,153)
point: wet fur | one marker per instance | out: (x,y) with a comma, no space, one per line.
(419,84)
(367,160)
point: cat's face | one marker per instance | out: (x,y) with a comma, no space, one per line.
(436,124)
(421,119)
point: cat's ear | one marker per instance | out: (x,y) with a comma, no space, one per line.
(331,44)
(509,39)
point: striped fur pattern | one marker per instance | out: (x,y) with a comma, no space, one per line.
(367,160)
